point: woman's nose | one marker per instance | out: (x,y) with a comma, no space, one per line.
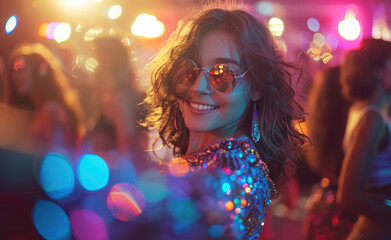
(201,84)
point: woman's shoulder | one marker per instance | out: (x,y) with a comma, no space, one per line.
(234,156)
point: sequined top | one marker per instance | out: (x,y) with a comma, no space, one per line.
(241,184)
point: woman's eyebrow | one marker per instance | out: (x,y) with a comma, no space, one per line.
(226,60)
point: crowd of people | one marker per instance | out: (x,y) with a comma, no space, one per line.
(222,100)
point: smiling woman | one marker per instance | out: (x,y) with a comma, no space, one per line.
(221,98)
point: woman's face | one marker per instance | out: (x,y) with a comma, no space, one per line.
(21,78)
(205,109)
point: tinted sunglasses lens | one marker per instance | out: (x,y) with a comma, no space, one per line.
(222,78)
(187,73)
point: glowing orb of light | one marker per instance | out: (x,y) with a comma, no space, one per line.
(349,28)
(50,29)
(88,225)
(50,220)
(92,172)
(62,32)
(178,167)
(265,8)
(313,24)
(332,40)
(92,33)
(114,12)
(276,26)
(229,206)
(91,64)
(319,39)
(11,23)
(147,26)
(125,201)
(56,176)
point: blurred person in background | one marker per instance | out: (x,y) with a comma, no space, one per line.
(35,82)
(364,185)
(328,111)
(116,131)
(221,98)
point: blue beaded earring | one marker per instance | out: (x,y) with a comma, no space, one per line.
(255,134)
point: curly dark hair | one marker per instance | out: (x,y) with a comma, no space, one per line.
(279,112)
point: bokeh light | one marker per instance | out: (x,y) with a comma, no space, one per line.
(153,185)
(349,28)
(313,24)
(178,167)
(229,206)
(42,29)
(147,26)
(92,172)
(265,8)
(50,220)
(50,29)
(56,176)
(62,32)
(125,201)
(305,39)
(92,33)
(88,225)
(114,12)
(332,40)
(319,39)
(276,26)
(11,23)
(91,64)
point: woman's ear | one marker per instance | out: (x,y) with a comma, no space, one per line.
(256,95)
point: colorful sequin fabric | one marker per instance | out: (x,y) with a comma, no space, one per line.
(241,184)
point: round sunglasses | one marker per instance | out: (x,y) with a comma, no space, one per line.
(220,76)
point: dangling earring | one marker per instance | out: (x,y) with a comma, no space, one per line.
(255,134)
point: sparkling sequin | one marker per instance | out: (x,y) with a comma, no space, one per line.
(244,186)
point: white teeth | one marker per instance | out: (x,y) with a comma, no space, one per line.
(202,107)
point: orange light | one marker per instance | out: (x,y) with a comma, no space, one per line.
(229,206)
(42,29)
(178,167)
(237,210)
(244,202)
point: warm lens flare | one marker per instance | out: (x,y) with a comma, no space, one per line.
(125,201)
(349,28)
(276,26)
(147,26)
(178,167)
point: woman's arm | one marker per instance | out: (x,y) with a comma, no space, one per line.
(356,169)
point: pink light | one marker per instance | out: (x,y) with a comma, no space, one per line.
(88,225)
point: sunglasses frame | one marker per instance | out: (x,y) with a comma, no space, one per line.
(207,73)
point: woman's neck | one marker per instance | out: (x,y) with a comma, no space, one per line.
(201,140)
